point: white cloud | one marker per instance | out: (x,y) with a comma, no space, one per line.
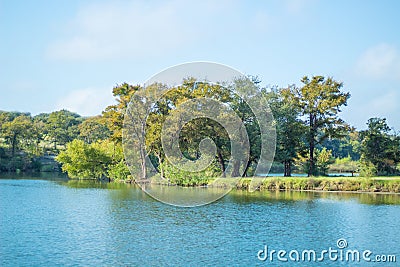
(132,30)
(386,103)
(374,104)
(86,102)
(380,61)
(149,30)
(109,31)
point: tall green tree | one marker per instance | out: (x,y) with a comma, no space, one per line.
(289,127)
(191,133)
(17,130)
(40,125)
(320,100)
(93,129)
(114,114)
(380,147)
(62,127)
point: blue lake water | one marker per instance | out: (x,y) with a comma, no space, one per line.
(57,222)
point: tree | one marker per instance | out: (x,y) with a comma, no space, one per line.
(93,129)
(135,121)
(348,146)
(324,158)
(114,115)
(192,133)
(39,130)
(379,147)
(62,127)
(320,100)
(81,160)
(6,116)
(16,130)
(289,128)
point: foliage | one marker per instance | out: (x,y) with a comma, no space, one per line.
(327,184)
(320,101)
(310,135)
(93,129)
(380,148)
(176,175)
(114,115)
(344,165)
(347,146)
(62,127)
(118,171)
(367,168)
(324,158)
(81,160)
(289,128)
(17,131)
(193,132)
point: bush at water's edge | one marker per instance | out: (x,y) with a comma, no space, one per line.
(358,184)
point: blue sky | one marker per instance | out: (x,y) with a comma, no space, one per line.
(70,54)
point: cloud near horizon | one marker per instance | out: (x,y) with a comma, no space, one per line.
(86,102)
(380,62)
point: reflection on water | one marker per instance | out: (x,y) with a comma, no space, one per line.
(362,198)
(95,184)
(184,195)
(53,176)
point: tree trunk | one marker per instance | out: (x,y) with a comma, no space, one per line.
(236,167)
(246,169)
(284,168)
(37,147)
(221,162)
(311,170)
(160,165)
(14,144)
(143,162)
(288,168)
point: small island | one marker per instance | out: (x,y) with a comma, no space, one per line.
(311,140)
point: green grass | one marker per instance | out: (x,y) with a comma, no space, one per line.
(353,184)
(350,184)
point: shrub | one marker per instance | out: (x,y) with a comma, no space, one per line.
(367,169)
(176,175)
(119,171)
(81,160)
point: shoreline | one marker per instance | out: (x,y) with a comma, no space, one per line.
(356,184)
(348,192)
(376,185)
(329,184)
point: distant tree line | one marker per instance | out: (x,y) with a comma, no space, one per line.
(311,136)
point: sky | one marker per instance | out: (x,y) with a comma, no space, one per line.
(71,53)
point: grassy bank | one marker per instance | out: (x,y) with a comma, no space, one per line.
(354,184)
(349,184)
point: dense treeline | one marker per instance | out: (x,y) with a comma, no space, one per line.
(311,136)
(25,138)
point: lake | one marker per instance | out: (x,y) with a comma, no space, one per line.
(49,222)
